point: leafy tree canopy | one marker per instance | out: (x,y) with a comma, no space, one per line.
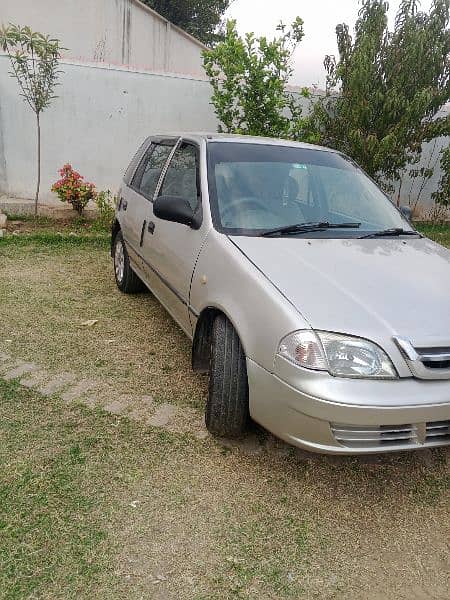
(386,88)
(201,18)
(249,77)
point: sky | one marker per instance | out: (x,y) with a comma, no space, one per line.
(320,18)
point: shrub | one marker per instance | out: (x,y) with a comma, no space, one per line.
(442,194)
(249,77)
(72,188)
(106,209)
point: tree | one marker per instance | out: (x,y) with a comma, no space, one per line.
(385,90)
(34,58)
(442,194)
(249,77)
(200,18)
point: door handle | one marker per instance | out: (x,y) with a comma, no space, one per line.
(123,204)
(151,227)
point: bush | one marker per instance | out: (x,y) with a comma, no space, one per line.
(442,194)
(249,77)
(73,189)
(106,209)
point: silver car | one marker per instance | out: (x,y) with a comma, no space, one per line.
(316,308)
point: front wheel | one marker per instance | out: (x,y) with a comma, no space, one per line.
(126,279)
(227,409)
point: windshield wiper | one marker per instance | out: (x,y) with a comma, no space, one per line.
(307,227)
(395,231)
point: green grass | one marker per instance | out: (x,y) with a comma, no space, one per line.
(56,240)
(214,522)
(46,231)
(438,233)
(40,220)
(95,506)
(64,474)
(51,535)
(72,224)
(68,475)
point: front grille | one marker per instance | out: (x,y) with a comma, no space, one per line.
(355,436)
(439,364)
(425,362)
(433,433)
(438,431)
(434,358)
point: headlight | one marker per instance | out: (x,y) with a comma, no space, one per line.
(340,355)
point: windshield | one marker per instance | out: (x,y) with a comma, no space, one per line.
(259,187)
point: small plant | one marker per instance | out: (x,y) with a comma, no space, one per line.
(34,59)
(438,214)
(442,194)
(106,209)
(72,188)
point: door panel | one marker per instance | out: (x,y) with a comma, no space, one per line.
(132,217)
(172,249)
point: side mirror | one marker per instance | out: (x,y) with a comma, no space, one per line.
(173,208)
(406,212)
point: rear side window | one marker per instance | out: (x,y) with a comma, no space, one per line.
(149,171)
(182,176)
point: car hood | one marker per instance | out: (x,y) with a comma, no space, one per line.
(365,287)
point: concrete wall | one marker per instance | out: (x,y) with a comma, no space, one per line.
(97,123)
(121,32)
(101,117)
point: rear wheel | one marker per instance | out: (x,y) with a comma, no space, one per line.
(227,409)
(126,279)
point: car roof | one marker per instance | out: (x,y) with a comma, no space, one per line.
(241,139)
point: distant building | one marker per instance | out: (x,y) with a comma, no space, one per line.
(119,32)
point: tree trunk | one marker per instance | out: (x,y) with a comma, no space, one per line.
(36,199)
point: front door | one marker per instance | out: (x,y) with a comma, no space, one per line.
(137,197)
(172,248)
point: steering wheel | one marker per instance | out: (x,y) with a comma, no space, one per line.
(239,202)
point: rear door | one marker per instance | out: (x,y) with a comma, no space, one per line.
(171,249)
(138,195)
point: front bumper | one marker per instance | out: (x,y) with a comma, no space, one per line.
(347,416)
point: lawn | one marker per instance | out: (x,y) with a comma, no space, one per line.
(438,233)
(97,505)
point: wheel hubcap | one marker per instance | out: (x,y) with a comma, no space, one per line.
(119,261)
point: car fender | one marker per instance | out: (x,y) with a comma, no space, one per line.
(225,280)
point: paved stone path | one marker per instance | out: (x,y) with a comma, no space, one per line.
(70,388)
(170,417)
(100,394)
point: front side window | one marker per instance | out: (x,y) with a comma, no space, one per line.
(181,178)
(259,187)
(149,171)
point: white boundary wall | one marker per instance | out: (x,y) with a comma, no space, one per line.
(121,32)
(101,117)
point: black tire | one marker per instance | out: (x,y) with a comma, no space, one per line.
(227,409)
(126,279)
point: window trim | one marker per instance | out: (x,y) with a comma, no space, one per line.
(139,172)
(199,209)
(135,162)
(165,169)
